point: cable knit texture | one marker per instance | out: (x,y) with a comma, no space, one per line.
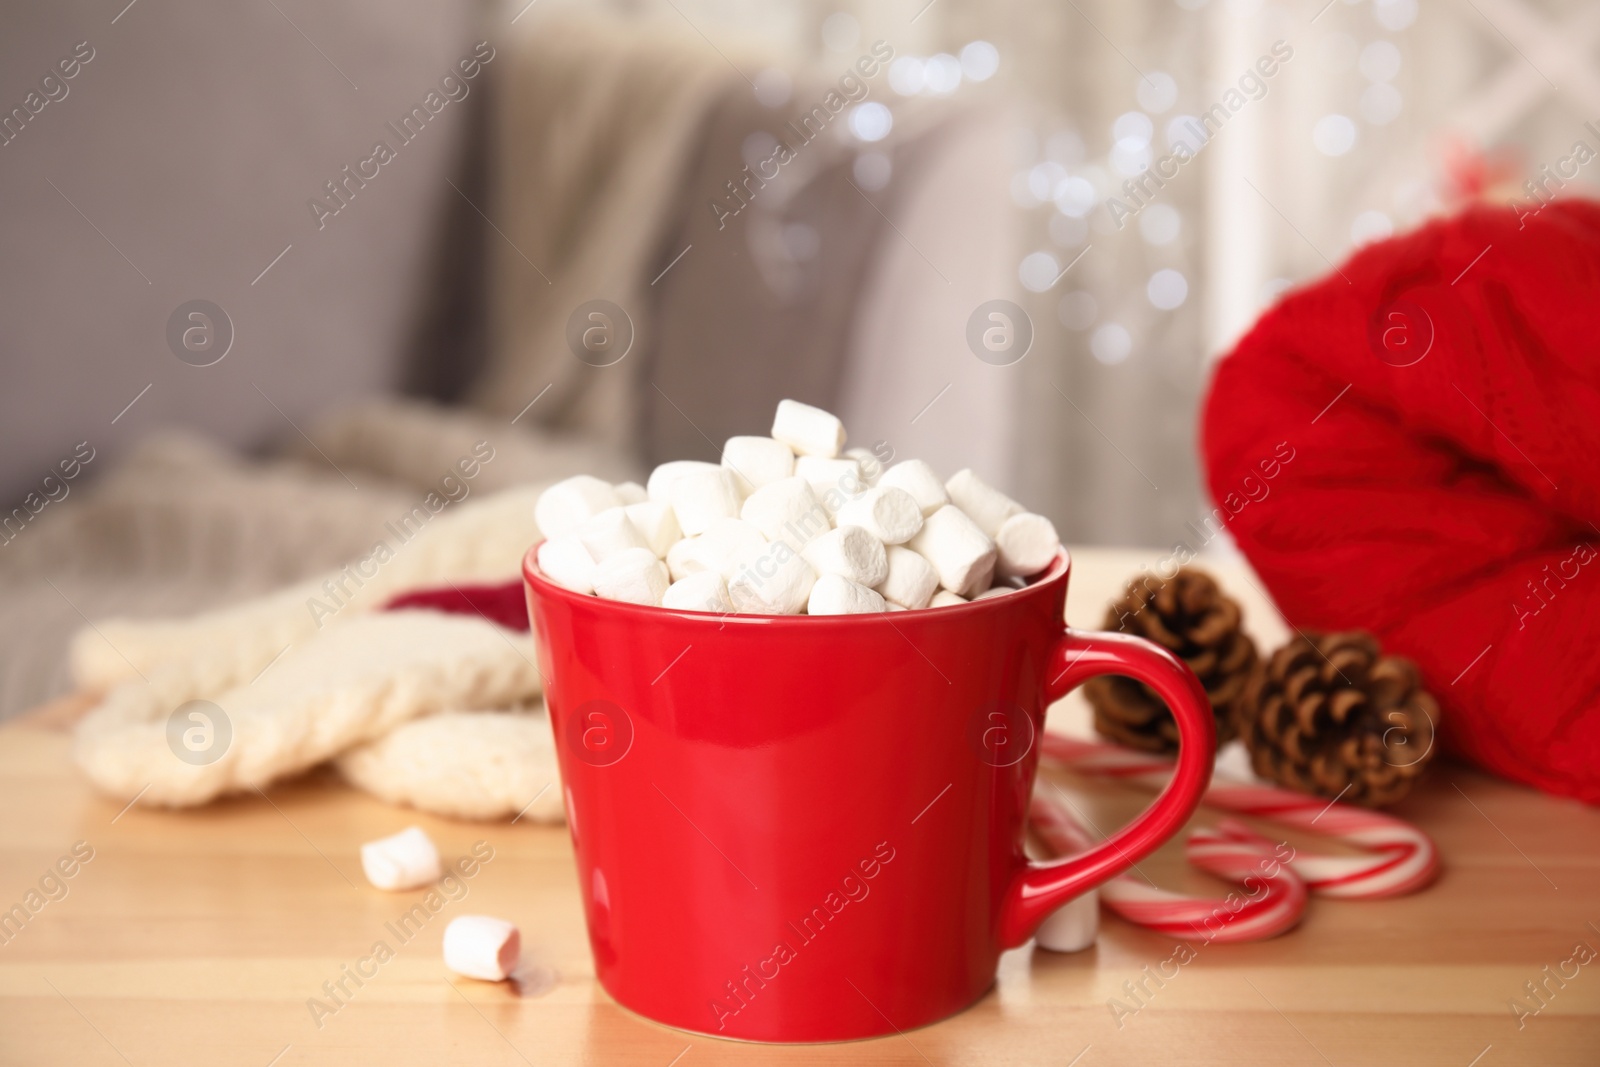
(180,526)
(480,541)
(352,683)
(1452,505)
(465,764)
(304,668)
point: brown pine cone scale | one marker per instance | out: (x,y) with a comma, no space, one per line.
(1190,616)
(1333,716)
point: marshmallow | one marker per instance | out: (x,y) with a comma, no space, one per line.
(850,552)
(960,551)
(698,496)
(566,562)
(984,504)
(871,466)
(659,485)
(755,532)
(777,582)
(834,481)
(918,479)
(565,504)
(757,461)
(1073,926)
(726,546)
(479,946)
(809,431)
(608,533)
(787,511)
(1027,544)
(403,861)
(833,595)
(688,557)
(890,515)
(658,524)
(701,591)
(633,575)
(911,580)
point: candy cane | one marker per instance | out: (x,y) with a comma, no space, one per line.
(1274,901)
(1401,859)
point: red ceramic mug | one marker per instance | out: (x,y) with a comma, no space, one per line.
(811,829)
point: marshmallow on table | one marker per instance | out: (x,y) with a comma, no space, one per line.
(1027,544)
(567,503)
(962,553)
(658,523)
(480,946)
(984,504)
(833,595)
(807,430)
(608,533)
(757,461)
(871,466)
(403,861)
(700,591)
(659,485)
(891,515)
(918,479)
(1073,926)
(700,496)
(777,582)
(787,511)
(850,552)
(911,580)
(725,547)
(566,562)
(834,481)
(944,598)
(633,575)
(630,493)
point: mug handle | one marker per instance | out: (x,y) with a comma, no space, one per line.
(1040,888)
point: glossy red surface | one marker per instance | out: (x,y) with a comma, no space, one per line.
(810,829)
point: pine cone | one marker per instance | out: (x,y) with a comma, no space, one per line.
(1199,623)
(1332,716)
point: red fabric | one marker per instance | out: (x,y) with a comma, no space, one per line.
(1449,506)
(506,604)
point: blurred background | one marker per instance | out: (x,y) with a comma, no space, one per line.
(272,268)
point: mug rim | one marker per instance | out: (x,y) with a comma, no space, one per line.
(534,578)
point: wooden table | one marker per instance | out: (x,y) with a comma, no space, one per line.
(200,937)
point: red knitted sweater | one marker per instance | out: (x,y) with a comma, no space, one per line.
(1440,393)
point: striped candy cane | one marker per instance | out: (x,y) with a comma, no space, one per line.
(1273,900)
(1400,858)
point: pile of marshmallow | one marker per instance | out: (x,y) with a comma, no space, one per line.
(789,524)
